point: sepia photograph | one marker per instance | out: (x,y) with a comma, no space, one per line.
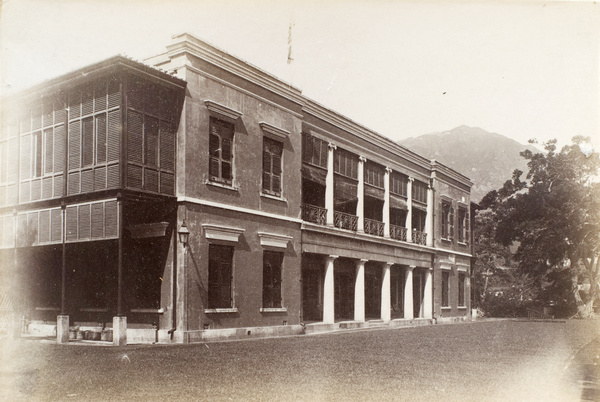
(335,200)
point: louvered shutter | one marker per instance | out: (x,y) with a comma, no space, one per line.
(151,141)
(100,97)
(114,94)
(49,151)
(71,224)
(451,224)
(84,222)
(226,159)
(113,137)
(167,147)
(74,145)
(101,138)
(44,234)
(59,148)
(56,225)
(26,156)
(134,136)
(87,102)
(266,168)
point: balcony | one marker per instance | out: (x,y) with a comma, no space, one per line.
(374,227)
(398,232)
(314,214)
(345,221)
(419,237)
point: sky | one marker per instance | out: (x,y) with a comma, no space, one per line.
(402,68)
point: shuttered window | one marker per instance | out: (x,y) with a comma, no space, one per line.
(374,174)
(272,153)
(445,288)
(461,289)
(463,225)
(419,191)
(399,184)
(346,164)
(447,220)
(87,142)
(272,262)
(314,150)
(151,141)
(220,151)
(220,270)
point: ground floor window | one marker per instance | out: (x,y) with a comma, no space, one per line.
(461,289)
(445,288)
(220,270)
(272,262)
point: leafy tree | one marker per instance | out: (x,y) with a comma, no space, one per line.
(554,217)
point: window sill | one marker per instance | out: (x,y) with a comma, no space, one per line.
(148,310)
(221,185)
(446,240)
(462,307)
(273,310)
(460,243)
(446,308)
(273,197)
(221,310)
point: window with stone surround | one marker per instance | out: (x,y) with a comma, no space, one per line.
(220,276)
(220,150)
(445,288)
(272,264)
(272,167)
(461,289)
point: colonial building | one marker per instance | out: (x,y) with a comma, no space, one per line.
(194,197)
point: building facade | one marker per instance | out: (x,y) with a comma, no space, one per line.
(195,197)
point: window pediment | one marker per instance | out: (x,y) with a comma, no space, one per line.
(222,233)
(274,240)
(221,111)
(279,133)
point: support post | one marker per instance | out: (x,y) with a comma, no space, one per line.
(386,301)
(359,292)
(408,293)
(360,204)
(409,210)
(328,292)
(428,295)
(329,185)
(386,202)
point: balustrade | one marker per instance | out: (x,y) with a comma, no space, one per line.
(314,214)
(419,237)
(398,232)
(345,221)
(374,227)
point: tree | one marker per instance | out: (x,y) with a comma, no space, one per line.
(554,217)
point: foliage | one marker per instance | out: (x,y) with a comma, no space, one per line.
(554,218)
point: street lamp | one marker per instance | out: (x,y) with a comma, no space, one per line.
(184,234)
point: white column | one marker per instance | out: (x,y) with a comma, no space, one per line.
(329,193)
(328,291)
(409,210)
(428,295)
(359,292)
(429,217)
(408,293)
(386,202)
(360,205)
(386,302)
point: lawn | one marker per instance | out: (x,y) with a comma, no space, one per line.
(498,360)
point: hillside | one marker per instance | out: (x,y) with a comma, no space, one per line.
(488,159)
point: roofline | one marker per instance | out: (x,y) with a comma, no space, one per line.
(98,69)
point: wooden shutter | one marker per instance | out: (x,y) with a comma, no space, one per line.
(101,138)
(113,138)
(134,136)
(59,148)
(26,156)
(167,147)
(220,276)
(74,145)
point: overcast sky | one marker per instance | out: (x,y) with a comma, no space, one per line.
(521,69)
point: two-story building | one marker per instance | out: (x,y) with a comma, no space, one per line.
(195,197)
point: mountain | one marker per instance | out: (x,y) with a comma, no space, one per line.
(488,159)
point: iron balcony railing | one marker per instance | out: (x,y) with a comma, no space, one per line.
(345,221)
(374,227)
(398,232)
(314,214)
(419,237)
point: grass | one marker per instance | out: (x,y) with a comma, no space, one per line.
(501,360)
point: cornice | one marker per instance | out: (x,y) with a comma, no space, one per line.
(276,131)
(449,172)
(186,43)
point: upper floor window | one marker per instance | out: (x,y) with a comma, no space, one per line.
(346,164)
(374,174)
(314,150)
(461,288)
(272,152)
(419,191)
(220,151)
(398,184)
(463,225)
(447,220)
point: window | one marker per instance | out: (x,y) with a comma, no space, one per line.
(151,141)
(272,262)
(374,174)
(37,154)
(419,191)
(314,150)
(220,150)
(346,164)
(445,288)
(272,151)
(461,289)
(463,225)
(398,184)
(447,221)
(87,146)
(49,151)
(220,264)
